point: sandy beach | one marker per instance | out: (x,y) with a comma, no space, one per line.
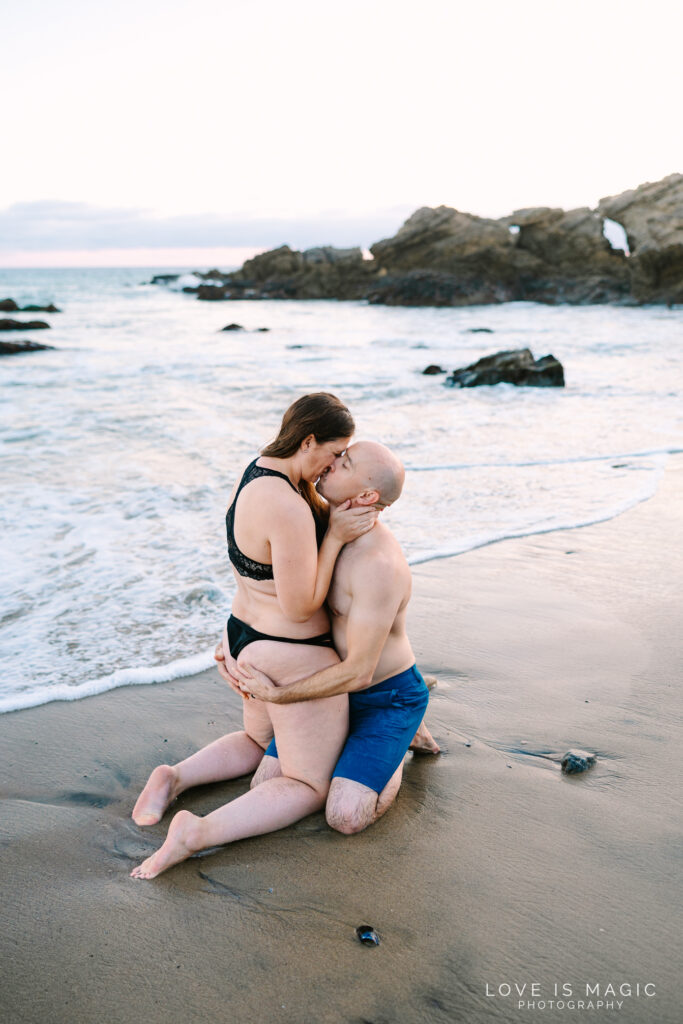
(492,871)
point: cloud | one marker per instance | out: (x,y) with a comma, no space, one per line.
(59,225)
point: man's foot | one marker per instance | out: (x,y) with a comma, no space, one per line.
(181,843)
(423,742)
(160,791)
(430,681)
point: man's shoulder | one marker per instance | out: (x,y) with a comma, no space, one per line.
(375,555)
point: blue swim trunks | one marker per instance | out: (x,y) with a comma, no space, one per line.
(382,721)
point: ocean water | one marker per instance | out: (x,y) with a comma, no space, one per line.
(119,449)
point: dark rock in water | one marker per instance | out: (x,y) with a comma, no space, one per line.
(10,348)
(480,330)
(433,369)
(367,935)
(232,327)
(23,325)
(10,306)
(514,367)
(164,278)
(575,761)
(260,330)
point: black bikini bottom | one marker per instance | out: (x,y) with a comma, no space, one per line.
(240,634)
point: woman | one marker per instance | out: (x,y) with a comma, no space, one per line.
(275,524)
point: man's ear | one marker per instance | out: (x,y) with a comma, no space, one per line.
(367,498)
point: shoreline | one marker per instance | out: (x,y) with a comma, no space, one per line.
(182,668)
(492,868)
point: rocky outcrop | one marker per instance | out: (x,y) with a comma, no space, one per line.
(10,348)
(434,288)
(441,239)
(444,257)
(652,216)
(447,258)
(284,273)
(572,260)
(514,367)
(576,761)
(23,325)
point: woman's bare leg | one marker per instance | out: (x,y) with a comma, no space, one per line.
(269,768)
(310,736)
(274,805)
(226,758)
(235,754)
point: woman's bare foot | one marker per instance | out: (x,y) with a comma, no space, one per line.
(160,791)
(423,742)
(181,842)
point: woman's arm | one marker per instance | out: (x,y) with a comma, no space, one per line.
(302,573)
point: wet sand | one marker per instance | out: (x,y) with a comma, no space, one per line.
(493,869)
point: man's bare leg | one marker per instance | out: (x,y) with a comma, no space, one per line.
(226,758)
(351,806)
(423,742)
(271,806)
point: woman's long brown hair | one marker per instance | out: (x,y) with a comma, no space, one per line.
(322,415)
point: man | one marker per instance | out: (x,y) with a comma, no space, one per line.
(367,602)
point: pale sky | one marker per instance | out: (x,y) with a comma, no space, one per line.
(168,124)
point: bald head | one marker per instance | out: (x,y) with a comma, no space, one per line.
(378,469)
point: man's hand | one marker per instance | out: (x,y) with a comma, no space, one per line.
(227,668)
(255,683)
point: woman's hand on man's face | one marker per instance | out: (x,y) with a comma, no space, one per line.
(347,524)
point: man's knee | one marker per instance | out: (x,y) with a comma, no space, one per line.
(348,824)
(350,807)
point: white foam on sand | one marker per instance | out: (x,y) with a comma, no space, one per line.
(122,677)
(471,543)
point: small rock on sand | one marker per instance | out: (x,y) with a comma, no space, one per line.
(575,761)
(367,935)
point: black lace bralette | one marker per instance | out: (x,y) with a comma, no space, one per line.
(247,566)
